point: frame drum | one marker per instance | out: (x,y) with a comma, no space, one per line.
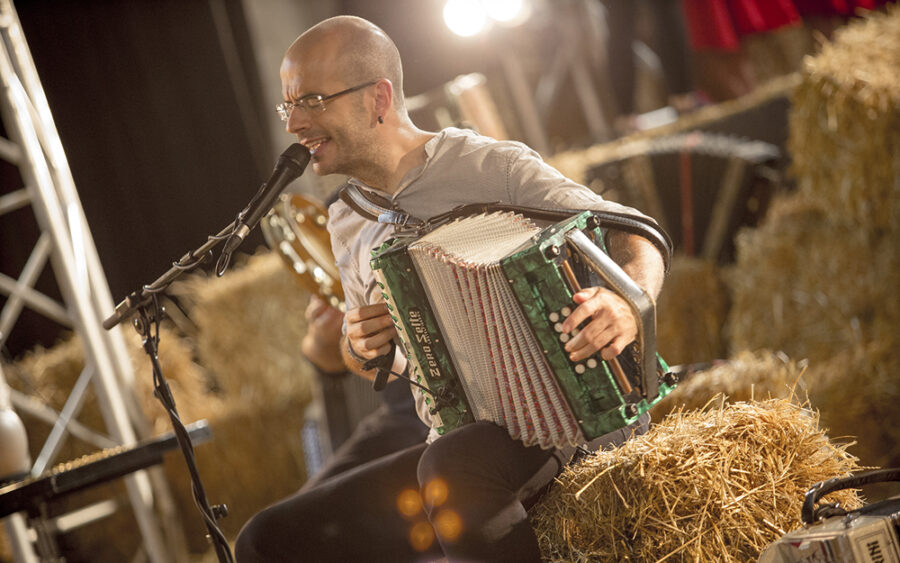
(296,230)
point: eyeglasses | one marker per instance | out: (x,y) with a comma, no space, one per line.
(314,103)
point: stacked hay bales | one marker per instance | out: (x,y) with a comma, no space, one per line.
(249,327)
(819,278)
(807,284)
(242,370)
(691,311)
(714,485)
(845,125)
(48,375)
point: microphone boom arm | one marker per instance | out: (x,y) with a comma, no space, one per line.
(142,297)
(289,167)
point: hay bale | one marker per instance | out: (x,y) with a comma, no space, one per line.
(715,485)
(818,279)
(255,407)
(256,458)
(810,286)
(845,123)
(856,393)
(691,312)
(50,374)
(250,324)
(746,377)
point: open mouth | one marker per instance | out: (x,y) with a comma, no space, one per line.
(315,145)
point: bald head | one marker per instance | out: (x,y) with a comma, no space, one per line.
(355,49)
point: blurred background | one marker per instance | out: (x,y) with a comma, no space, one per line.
(762,135)
(165,108)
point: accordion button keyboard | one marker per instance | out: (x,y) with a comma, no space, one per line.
(591,363)
(564,337)
(554,317)
(566,311)
(558,327)
(580,369)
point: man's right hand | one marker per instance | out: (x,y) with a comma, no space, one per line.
(370,330)
(322,342)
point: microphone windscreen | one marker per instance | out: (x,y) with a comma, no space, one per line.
(297,154)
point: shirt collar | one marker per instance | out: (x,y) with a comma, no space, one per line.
(413,174)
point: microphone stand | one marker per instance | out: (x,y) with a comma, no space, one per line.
(144,303)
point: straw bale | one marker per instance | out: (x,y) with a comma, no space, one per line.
(256,458)
(255,409)
(857,393)
(250,323)
(50,374)
(712,485)
(845,123)
(807,286)
(747,376)
(691,312)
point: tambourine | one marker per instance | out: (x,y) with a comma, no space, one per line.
(296,230)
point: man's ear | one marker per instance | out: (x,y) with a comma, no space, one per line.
(384,96)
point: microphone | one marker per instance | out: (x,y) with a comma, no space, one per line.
(289,167)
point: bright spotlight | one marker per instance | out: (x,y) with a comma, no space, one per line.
(465,17)
(504,11)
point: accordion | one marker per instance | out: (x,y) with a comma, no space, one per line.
(479,302)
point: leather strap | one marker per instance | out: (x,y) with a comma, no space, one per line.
(376,208)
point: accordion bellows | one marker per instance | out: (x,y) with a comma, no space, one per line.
(498,359)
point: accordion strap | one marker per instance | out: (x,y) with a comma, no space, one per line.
(381,210)
(376,208)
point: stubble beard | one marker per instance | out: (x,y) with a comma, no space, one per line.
(357,154)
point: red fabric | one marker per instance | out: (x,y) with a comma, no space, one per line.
(759,16)
(709,25)
(719,24)
(835,7)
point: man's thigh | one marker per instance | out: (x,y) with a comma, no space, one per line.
(353,516)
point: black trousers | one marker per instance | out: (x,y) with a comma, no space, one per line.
(474,484)
(392,427)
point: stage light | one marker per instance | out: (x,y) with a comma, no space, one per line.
(506,11)
(465,17)
(469,17)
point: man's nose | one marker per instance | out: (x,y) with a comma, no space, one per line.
(298,120)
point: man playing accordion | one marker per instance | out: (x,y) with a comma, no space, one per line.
(462,495)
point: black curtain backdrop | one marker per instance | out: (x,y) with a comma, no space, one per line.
(150,116)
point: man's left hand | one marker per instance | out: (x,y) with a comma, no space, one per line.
(612,328)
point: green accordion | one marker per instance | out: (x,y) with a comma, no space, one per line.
(478,303)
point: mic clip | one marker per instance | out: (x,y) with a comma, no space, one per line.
(382,365)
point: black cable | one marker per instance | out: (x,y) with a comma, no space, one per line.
(442,398)
(145,324)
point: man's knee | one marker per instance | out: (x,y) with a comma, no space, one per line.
(251,542)
(259,539)
(459,458)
